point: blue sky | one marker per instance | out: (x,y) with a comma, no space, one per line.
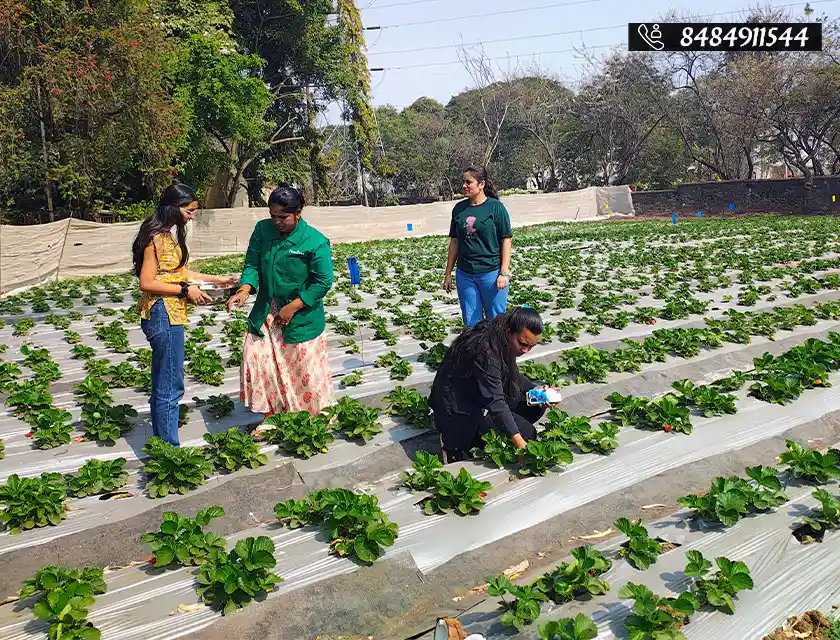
(400,87)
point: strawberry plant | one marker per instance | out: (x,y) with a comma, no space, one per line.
(581,627)
(182,541)
(172,469)
(218,405)
(199,334)
(32,502)
(352,379)
(628,411)
(734,382)
(521,611)
(82,352)
(51,428)
(356,524)
(67,609)
(355,420)
(497,448)
(23,327)
(104,423)
(381,332)
(410,405)
(41,363)
(567,330)
(432,356)
(719,590)
(206,366)
(654,617)
(29,398)
(229,581)
(553,374)
(640,550)
(72,337)
(426,467)
(301,433)
(431,328)
(2,450)
(184,412)
(51,578)
(810,464)
(820,520)
(579,577)
(577,432)
(461,493)
(9,373)
(114,336)
(232,450)
(540,456)
(95,477)
(706,400)
(730,499)
(587,364)
(667,414)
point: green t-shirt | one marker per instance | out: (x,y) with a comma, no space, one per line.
(480,231)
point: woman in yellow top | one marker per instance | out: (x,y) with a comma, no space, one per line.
(159,262)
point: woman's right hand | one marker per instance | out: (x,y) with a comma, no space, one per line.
(447,283)
(196,296)
(237,300)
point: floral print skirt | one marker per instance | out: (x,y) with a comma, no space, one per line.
(276,377)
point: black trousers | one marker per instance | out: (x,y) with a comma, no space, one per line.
(526,417)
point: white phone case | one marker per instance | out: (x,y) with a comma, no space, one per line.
(553,395)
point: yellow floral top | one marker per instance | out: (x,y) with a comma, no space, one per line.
(169,256)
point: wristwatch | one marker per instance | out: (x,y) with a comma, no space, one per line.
(505,274)
(184,289)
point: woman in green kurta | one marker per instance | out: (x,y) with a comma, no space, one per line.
(285,362)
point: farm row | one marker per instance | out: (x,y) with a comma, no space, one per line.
(659,334)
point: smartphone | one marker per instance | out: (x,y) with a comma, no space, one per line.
(547,395)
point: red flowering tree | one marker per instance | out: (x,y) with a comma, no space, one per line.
(95,76)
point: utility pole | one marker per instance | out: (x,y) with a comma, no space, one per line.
(44,150)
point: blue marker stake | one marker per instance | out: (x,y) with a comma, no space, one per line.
(409,227)
(732,207)
(699,214)
(355,276)
(674,217)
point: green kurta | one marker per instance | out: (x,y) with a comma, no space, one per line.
(299,266)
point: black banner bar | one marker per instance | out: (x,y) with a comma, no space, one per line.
(724,36)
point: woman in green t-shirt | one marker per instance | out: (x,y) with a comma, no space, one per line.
(480,238)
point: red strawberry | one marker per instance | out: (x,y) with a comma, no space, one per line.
(152,560)
(668,428)
(483,494)
(29,435)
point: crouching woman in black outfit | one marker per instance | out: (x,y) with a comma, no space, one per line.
(478,386)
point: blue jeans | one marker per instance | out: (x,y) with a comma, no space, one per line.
(479,295)
(167,342)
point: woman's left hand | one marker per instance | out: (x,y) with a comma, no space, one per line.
(227,281)
(501,282)
(285,315)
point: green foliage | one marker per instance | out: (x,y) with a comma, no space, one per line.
(654,617)
(497,448)
(182,541)
(410,405)
(51,578)
(820,520)
(232,450)
(97,476)
(640,550)
(32,502)
(172,469)
(521,611)
(229,581)
(580,627)
(462,494)
(426,467)
(356,420)
(577,432)
(301,433)
(218,405)
(719,590)
(579,577)
(540,456)
(810,464)
(730,499)
(357,526)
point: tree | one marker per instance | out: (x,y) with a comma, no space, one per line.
(95,79)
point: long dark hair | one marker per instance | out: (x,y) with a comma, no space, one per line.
(480,175)
(287,198)
(167,215)
(491,339)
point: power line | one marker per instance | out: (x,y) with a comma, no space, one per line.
(473,16)
(401,4)
(558,33)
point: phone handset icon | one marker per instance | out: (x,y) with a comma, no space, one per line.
(654,40)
